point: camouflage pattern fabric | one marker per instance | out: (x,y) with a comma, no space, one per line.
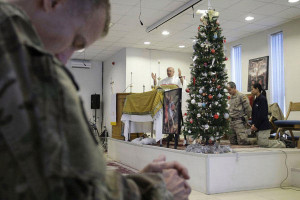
(263,140)
(239,108)
(47,150)
(240,133)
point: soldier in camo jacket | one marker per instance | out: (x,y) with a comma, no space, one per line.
(47,150)
(239,112)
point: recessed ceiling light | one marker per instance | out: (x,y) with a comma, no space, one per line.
(181,46)
(147,43)
(165,33)
(81,50)
(293,1)
(201,11)
(249,18)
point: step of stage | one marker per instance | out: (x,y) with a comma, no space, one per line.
(242,169)
(295,174)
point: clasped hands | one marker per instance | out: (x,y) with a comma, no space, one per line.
(175,176)
(253,128)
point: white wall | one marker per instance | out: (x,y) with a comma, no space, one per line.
(291,46)
(89,82)
(258,46)
(117,74)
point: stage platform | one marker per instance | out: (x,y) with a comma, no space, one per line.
(243,169)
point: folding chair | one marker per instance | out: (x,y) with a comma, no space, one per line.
(287,124)
(274,114)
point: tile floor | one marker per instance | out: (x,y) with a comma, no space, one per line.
(265,194)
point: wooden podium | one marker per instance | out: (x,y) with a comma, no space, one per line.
(117,129)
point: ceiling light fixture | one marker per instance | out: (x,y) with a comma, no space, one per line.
(172,15)
(293,1)
(147,43)
(181,46)
(201,12)
(165,33)
(249,18)
(80,51)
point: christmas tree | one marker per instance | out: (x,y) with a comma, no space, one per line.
(207,114)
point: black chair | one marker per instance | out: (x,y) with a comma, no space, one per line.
(290,125)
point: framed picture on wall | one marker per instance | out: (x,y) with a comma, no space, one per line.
(258,72)
(172,111)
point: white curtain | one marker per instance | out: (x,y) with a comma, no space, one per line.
(277,65)
(236,66)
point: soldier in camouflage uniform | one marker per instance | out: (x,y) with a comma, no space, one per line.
(47,150)
(239,112)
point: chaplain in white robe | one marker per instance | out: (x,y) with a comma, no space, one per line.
(171,79)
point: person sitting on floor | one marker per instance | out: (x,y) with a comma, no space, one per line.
(260,121)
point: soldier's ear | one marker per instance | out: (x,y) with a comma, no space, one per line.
(51,5)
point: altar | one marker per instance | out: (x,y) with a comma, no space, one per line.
(157,111)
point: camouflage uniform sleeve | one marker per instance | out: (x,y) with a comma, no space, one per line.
(46,148)
(246,106)
(140,186)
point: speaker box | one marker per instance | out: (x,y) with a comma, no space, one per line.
(95,101)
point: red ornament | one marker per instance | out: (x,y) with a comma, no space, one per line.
(191,121)
(204,94)
(205,64)
(219,86)
(194,80)
(224,40)
(226,58)
(187,90)
(198,28)
(113,63)
(228,97)
(210,96)
(213,51)
(216,116)
(185,114)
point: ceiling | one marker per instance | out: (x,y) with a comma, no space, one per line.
(126,30)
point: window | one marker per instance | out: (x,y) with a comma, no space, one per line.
(236,66)
(277,70)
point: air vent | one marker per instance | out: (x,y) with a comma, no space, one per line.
(83,64)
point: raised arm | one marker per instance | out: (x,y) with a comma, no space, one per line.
(179,76)
(154,79)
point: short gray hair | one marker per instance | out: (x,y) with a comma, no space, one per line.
(105,4)
(231,84)
(85,6)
